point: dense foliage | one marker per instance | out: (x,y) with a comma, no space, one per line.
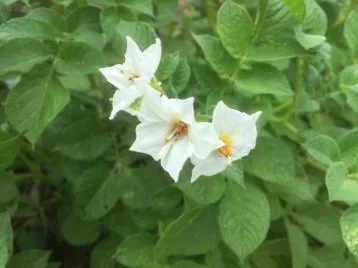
(73,195)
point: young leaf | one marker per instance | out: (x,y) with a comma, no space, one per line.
(189,227)
(136,250)
(34,103)
(349,222)
(20,55)
(244,218)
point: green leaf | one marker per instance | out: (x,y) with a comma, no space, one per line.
(320,222)
(216,55)
(166,12)
(102,255)
(26,28)
(348,82)
(206,190)
(77,142)
(167,66)
(297,7)
(189,227)
(350,33)
(20,55)
(141,32)
(9,147)
(235,28)
(348,145)
(244,219)
(33,258)
(78,232)
(6,239)
(235,172)
(85,17)
(105,198)
(34,103)
(181,75)
(111,16)
(349,222)
(136,250)
(141,6)
(8,190)
(47,16)
(330,257)
(186,263)
(272,160)
(339,185)
(263,79)
(78,58)
(298,245)
(323,149)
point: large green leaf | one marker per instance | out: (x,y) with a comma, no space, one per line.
(6,239)
(244,218)
(349,225)
(262,79)
(35,102)
(339,185)
(20,55)
(199,225)
(350,33)
(136,250)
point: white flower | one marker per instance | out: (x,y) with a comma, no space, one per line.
(237,130)
(169,132)
(132,77)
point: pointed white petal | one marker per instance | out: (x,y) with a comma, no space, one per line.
(133,55)
(150,138)
(151,59)
(226,119)
(182,109)
(123,98)
(176,156)
(209,166)
(114,76)
(155,106)
(204,139)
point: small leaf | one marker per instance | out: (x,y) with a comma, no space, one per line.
(263,79)
(136,250)
(8,189)
(167,66)
(6,239)
(189,227)
(244,218)
(216,55)
(348,145)
(181,75)
(348,82)
(20,55)
(141,6)
(9,147)
(102,254)
(34,103)
(298,245)
(349,225)
(340,186)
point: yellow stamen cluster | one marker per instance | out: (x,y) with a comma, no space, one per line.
(180,129)
(226,150)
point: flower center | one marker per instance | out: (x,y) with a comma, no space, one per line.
(226,150)
(131,76)
(180,129)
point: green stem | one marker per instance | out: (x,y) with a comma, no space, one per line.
(34,169)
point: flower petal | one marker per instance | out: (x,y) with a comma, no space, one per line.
(244,137)
(174,160)
(151,59)
(155,106)
(225,119)
(209,166)
(133,55)
(114,76)
(123,98)
(150,138)
(204,139)
(182,109)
